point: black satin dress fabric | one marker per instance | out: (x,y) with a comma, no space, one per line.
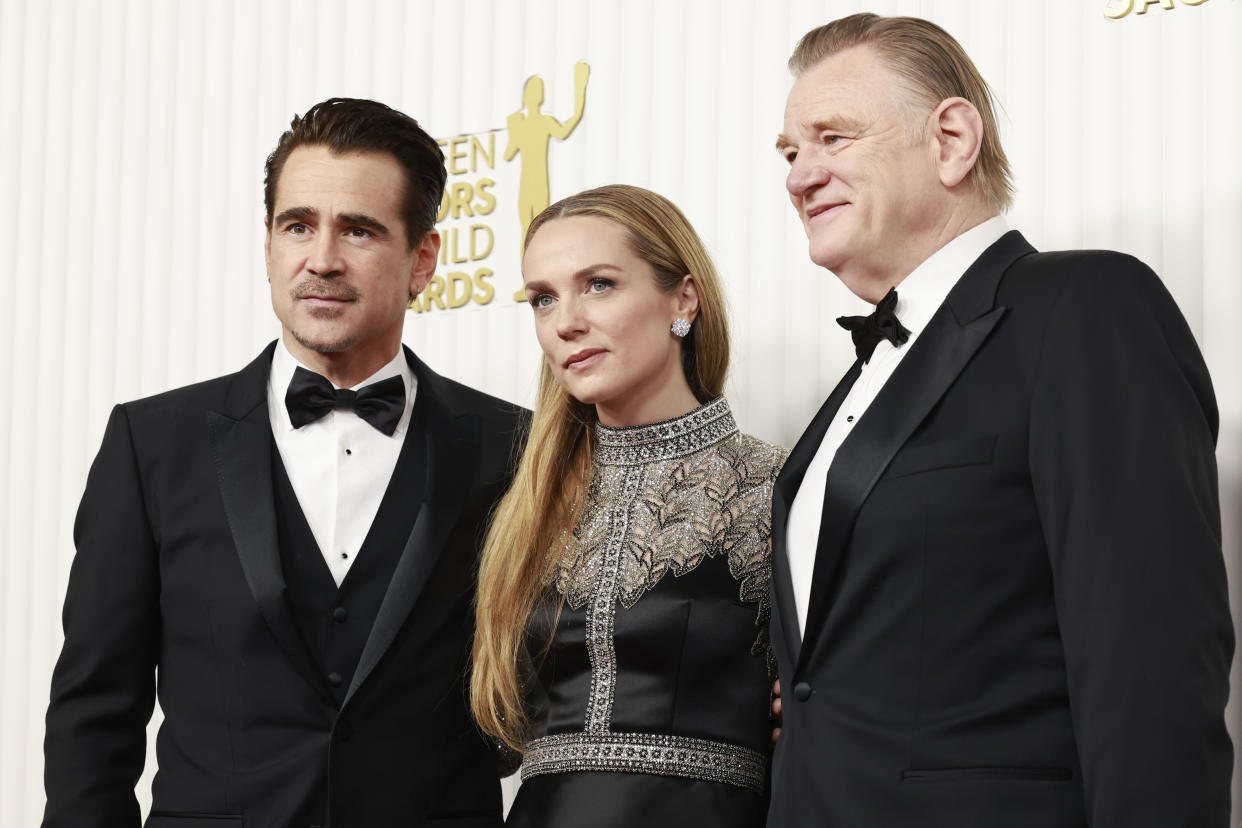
(669,658)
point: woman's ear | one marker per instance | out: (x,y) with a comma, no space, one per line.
(687,295)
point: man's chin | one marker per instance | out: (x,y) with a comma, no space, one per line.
(323,343)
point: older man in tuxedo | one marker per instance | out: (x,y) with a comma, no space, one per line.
(285,555)
(1000,595)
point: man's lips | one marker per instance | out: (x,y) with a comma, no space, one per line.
(317,301)
(829,208)
(581,360)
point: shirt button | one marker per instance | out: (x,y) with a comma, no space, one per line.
(850,419)
(344,556)
(335,680)
(802,691)
(349,451)
(339,615)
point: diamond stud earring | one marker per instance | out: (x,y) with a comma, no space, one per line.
(680,328)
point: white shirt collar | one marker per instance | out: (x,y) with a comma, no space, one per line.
(928,285)
(284,364)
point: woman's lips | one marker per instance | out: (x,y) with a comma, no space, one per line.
(584,359)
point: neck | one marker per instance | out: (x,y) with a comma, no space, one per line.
(639,409)
(344,369)
(956,219)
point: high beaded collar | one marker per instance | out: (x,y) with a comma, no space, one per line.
(703,427)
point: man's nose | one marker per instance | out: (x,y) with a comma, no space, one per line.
(325,256)
(804,175)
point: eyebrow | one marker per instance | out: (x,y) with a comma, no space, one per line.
(363,220)
(837,123)
(351,219)
(584,273)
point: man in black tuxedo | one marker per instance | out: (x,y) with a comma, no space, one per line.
(290,549)
(1000,594)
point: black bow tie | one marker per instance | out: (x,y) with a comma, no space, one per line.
(311,396)
(882,323)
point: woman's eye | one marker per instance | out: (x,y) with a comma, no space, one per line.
(540,300)
(599,285)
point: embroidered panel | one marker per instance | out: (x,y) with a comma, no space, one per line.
(657,753)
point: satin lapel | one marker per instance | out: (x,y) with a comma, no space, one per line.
(787,485)
(451,461)
(241,445)
(942,350)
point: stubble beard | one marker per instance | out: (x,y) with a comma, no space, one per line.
(335,290)
(324,346)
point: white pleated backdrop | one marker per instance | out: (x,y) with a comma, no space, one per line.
(133,132)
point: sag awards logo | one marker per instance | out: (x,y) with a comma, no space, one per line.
(1117,9)
(485,212)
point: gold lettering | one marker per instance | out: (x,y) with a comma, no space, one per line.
(1118,9)
(483,288)
(463,194)
(482,190)
(455,257)
(1143,4)
(1194,2)
(454,297)
(475,255)
(454,156)
(488,155)
(432,294)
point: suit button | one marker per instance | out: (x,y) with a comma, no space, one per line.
(335,680)
(339,615)
(802,691)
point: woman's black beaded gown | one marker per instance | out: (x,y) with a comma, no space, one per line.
(651,706)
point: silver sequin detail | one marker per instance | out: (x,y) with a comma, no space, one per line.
(656,753)
(603,610)
(666,440)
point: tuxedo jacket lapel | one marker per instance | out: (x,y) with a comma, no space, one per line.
(783,493)
(956,331)
(450,465)
(241,445)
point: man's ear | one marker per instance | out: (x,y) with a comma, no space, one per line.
(687,299)
(267,244)
(426,253)
(958,131)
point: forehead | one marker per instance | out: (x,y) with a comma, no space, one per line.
(314,176)
(571,238)
(854,84)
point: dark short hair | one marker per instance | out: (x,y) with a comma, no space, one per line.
(358,125)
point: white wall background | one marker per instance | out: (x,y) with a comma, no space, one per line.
(133,132)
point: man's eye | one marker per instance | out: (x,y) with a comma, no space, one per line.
(790,155)
(297,228)
(360,233)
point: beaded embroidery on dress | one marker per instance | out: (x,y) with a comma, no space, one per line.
(693,488)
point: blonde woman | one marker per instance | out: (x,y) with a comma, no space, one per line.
(621,644)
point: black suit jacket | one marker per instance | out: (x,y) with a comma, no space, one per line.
(1018,611)
(178,575)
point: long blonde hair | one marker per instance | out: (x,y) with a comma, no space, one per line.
(519,554)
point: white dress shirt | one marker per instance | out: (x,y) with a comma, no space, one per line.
(919,296)
(339,465)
